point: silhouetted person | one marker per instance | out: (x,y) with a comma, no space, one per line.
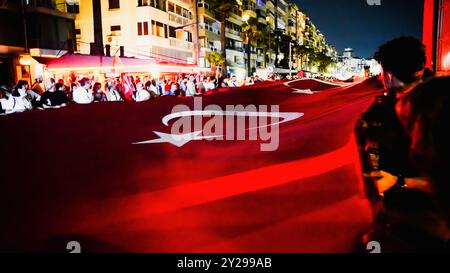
(392,179)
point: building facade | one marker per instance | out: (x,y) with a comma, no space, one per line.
(165,30)
(36,30)
(159,29)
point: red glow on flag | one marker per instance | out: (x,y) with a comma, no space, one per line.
(428,31)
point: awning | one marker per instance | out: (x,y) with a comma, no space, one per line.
(103,64)
(44,60)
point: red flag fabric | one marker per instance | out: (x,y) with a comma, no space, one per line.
(74,174)
(128,87)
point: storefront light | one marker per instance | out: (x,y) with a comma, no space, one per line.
(446,62)
(25,60)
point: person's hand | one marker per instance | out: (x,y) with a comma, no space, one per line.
(384,180)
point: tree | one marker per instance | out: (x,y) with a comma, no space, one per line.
(284,46)
(265,42)
(215,59)
(277,35)
(221,10)
(251,33)
(323,61)
(302,53)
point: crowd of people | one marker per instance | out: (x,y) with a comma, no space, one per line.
(402,138)
(54,94)
(404,145)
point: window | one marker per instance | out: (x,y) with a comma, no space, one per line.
(115,28)
(142,28)
(158,29)
(161,4)
(187,36)
(172,32)
(114,4)
(171,7)
(143,3)
(145,28)
(73,8)
(139,26)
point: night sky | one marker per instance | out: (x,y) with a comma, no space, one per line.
(355,24)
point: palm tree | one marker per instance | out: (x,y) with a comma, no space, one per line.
(215,59)
(251,33)
(265,41)
(303,52)
(221,10)
(323,61)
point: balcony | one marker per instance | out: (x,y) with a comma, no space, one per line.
(232,34)
(181,44)
(56,8)
(262,20)
(209,27)
(176,18)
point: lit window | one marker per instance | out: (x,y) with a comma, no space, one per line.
(142,3)
(158,29)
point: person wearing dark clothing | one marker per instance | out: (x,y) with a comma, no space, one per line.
(54,97)
(423,112)
(99,95)
(393,181)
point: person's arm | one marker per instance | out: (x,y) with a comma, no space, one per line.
(90,96)
(387,181)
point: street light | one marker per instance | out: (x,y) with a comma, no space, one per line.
(246,18)
(290,60)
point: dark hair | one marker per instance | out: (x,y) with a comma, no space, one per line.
(58,86)
(20,85)
(403,57)
(83,81)
(427,114)
(97,86)
(4,91)
(108,85)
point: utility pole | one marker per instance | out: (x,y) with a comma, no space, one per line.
(97,47)
(24,18)
(290,59)
(198,33)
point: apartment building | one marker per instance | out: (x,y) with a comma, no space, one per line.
(166,30)
(36,30)
(209,32)
(161,29)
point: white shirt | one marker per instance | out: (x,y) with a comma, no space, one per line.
(141,95)
(190,89)
(82,96)
(234,83)
(153,89)
(113,95)
(15,104)
(35,96)
(209,85)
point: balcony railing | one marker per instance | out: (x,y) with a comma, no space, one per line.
(209,28)
(233,32)
(181,44)
(173,17)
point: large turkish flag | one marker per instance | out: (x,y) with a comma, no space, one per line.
(74,174)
